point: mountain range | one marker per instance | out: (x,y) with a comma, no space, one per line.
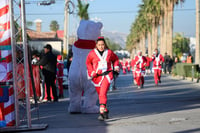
(117,37)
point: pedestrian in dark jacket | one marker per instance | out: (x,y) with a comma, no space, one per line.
(166,63)
(49,61)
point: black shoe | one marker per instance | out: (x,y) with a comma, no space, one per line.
(75,113)
(55,100)
(61,96)
(101,117)
(105,115)
(48,100)
(160,81)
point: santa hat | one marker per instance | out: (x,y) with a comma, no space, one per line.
(59,57)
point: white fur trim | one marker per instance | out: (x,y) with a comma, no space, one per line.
(116,67)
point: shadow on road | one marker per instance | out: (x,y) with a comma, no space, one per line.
(126,102)
(171,95)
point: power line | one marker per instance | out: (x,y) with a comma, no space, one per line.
(105,12)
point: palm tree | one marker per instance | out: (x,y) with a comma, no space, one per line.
(153,13)
(180,44)
(170,7)
(146,25)
(54,26)
(83,10)
(162,27)
(29,23)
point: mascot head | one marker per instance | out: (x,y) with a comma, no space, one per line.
(89,30)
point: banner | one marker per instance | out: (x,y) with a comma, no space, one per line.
(6,65)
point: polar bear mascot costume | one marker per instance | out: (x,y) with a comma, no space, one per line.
(82,93)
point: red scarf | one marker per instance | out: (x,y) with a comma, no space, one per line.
(85,44)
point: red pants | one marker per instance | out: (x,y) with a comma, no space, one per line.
(134,74)
(124,70)
(157,75)
(102,91)
(60,86)
(139,79)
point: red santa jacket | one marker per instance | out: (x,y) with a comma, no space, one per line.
(128,64)
(133,65)
(140,62)
(157,61)
(97,64)
(124,64)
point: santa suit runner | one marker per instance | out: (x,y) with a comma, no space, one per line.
(157,67)
(140,69)
(157,62)
(102,67)
(128,65)
(140,66)
(124,66)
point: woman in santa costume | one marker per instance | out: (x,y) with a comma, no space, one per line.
(157,66)
(128,63)
(133,68)
(148,64)
(140,63)
(124,65)
(100,62)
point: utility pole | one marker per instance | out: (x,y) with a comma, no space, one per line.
(197,56)
(65,39)
(69,9)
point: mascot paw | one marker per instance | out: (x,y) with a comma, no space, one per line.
(90,110)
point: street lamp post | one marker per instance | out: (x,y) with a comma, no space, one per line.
(66,24)
(65,39)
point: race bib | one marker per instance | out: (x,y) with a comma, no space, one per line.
(102,65)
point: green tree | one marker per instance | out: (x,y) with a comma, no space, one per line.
(29,23)
(152,15)
(112,45)
(180,44)
(83,10)
(54,26)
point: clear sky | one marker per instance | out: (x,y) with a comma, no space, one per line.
(116,15)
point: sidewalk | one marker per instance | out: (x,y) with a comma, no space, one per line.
(173,107)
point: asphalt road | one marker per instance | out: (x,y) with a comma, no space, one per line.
(172,107)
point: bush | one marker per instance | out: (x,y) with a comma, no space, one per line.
(186,70)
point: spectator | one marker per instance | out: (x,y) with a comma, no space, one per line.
(189,58)
(166,63)
(170,65)
(49,61)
